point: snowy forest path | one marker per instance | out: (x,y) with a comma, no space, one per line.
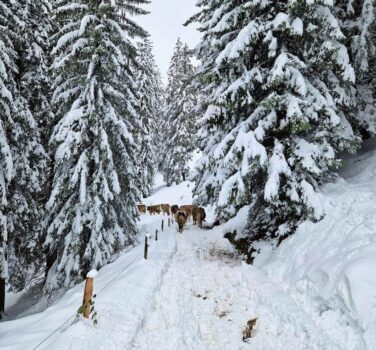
(207,297)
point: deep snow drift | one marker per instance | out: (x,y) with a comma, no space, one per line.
(329,267)
(316,291)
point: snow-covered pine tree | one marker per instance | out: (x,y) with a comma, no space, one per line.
(7,86)
(34,62)
(275,73)
(159,133)
(358,23)
(31,102)
(179,127)
(92,207)
(150,97)
(22,155)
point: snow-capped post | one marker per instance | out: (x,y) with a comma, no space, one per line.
(146,248)
(162,225)
(156,235)
(88,293)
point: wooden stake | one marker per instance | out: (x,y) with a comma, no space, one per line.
(146,248)
(156,235)
(169,223)
(86,304)
(162,225)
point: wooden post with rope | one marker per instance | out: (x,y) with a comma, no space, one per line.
(88,293)
(146,248)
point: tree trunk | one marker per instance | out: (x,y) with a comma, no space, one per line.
(50,260)
(2,298)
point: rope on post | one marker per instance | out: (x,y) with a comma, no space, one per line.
(146,248)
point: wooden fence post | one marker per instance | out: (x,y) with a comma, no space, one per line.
(146,248)
(156,235)
(162,225)
(88,293)
(169,222)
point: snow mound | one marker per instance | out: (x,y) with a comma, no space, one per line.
(329,267)
(176,194)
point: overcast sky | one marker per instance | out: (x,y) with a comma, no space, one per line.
(165,24)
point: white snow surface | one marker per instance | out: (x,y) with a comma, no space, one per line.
(176,194)
(92,274)
(329,267)
(121,306)
(316,291)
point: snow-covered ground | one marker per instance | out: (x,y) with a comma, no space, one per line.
(121,306)
(329,267)
(179,194)
(317,291)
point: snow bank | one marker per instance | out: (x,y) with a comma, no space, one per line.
(124,291)
(329,267)
(176,194)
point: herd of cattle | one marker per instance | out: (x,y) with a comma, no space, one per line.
(181,214)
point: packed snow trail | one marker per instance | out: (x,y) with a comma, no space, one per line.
(207,297)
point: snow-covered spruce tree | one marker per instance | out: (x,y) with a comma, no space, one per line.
(28,193)
(358,23)
(92,208)
(34,62)
(22,157)
(150,97)
(275,73)
(179,127)
(7,86)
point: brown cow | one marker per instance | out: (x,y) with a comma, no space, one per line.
(154,209)
(174,209)
(141,209)
(188,209)
(181,218)
(198,215)
(165,209)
